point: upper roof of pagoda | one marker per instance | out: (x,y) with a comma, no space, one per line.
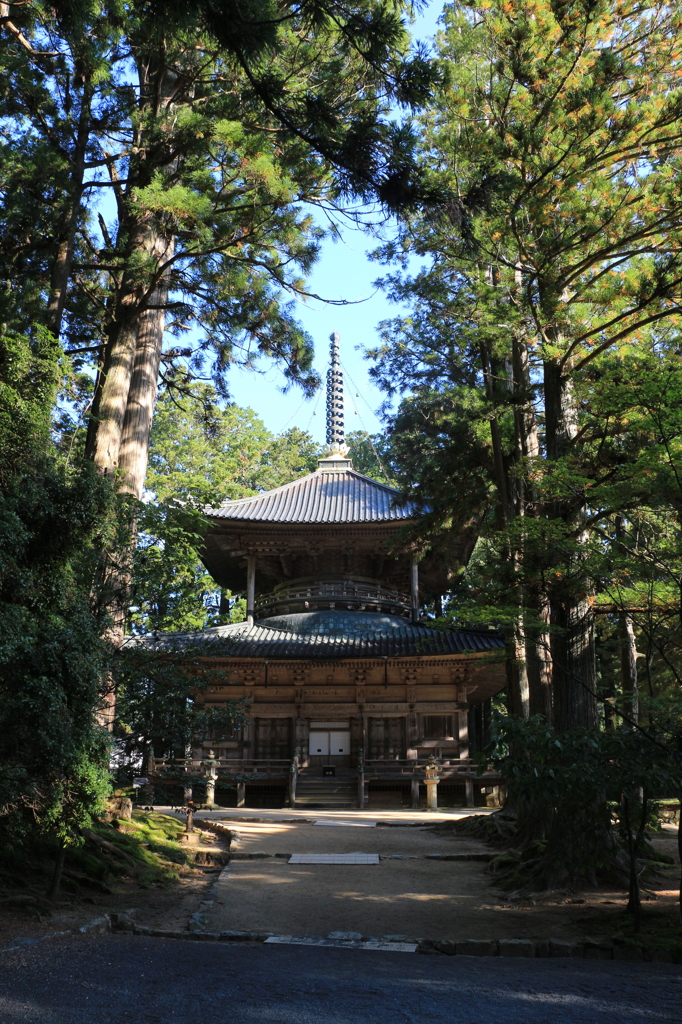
(334,493)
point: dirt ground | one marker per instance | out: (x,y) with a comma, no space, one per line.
(407,893)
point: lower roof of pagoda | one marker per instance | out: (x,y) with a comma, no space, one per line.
(325,635)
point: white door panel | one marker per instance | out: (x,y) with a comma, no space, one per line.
(319,744)
(339,743)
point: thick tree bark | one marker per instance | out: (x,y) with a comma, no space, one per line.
(628,666)
(149,241)
(517,670)
(572,639)
(628,647)
(125,391)
(536,639)
(540,660)
(137,424)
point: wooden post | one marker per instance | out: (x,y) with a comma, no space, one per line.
(293,775)
(241,794)
(414,786)
(361,778)
(469,790)
(415,587)
(250,588)
(463,733)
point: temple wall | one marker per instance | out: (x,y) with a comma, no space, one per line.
(391,709)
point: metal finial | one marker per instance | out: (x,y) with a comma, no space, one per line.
(336,435)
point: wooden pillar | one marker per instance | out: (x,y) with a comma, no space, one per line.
(469,791)
(241,794)
(293,776)
(415,792)
(463,733)
(415,588)
(250,588)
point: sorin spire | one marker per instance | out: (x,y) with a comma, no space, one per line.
(336,435)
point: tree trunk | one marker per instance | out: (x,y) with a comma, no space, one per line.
(125,390)
(53,891)
(61,268)
(517,671)
(536,640)
(539,659)
(628,667)
(572,641)
(137,425)
(148,241)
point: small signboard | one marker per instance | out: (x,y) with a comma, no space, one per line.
(140,782)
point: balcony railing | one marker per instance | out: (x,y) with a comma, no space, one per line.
(343,595)
(225,766)
(447,767)
(270,767)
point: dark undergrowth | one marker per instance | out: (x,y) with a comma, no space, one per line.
(514,868)
(145,851)
(659,928)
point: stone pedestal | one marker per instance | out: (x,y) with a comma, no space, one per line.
(211,765)
(432,780)
(190,838)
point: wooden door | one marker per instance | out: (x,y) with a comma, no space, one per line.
(273,738)
(386,739)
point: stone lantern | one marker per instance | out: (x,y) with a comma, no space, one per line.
(211,765)
(432,780)
(189,836)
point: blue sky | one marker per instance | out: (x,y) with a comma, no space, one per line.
(343,271)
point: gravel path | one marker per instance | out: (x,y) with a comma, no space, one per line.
(120,980)
(406,893)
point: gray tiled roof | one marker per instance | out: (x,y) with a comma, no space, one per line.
(321,497)
(305,636)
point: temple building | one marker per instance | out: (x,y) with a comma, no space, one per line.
(351,691)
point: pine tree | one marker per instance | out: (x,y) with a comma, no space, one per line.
(560,147)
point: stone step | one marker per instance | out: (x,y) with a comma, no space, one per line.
(322,791)
(326,792)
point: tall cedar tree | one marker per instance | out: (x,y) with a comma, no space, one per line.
(559,135)
(209,123)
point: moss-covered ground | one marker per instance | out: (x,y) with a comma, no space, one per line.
(118,864)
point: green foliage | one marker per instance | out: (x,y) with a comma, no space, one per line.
(372,455)
(222,141)
(53,755)
(202,452)
(566,788)
(161,708)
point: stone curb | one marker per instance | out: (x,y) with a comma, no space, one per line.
(552,948)
(528,948)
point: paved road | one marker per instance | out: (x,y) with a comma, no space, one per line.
(119,979)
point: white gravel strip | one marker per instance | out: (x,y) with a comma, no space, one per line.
(349,824)
(390,947)
(334,858)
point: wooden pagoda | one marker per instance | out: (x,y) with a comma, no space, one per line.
(350,691)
